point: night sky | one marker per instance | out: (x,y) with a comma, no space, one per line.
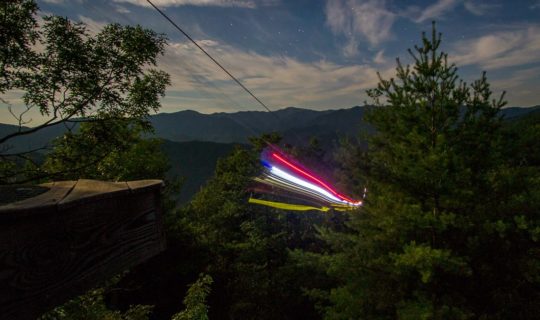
(322,54)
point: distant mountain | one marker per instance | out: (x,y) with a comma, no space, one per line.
(30,141)
(517,112)
(237,127)
(295,124)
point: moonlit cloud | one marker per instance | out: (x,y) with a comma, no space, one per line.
(500,49)
(279,81)
(436,10)
(359,20)
(122,9)
(520,85)
(379,57)
(370,22)
(12,99)
(205,3)
(480,8)
(92,26)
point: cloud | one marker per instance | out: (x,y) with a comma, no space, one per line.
(368,18)
(535,5)
(501,49)
(441,7)
(521,86)
(121,9)
(207,43)
(93,26)
(278,80)
(14,99)
(204,3)
(480,8)
(517,79)
(379,57)
(372,20)
(415,13)
(436,10)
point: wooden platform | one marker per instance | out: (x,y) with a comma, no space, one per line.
(62,242)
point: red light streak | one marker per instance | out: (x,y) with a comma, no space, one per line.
(295,168)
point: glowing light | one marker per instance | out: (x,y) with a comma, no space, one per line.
(281,179)
(297,184)
(294,188)
(315,179)
(286,206)
(284,175)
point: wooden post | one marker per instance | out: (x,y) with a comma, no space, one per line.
(68,240)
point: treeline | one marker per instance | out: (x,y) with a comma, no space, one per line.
(449,230)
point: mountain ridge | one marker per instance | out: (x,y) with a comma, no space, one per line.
(296,124)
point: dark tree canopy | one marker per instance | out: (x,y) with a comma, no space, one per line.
(445,233)
(69,75)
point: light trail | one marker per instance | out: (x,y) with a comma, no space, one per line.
(294,188)
(281,174)
(288,177)
(295,168)
(287,206)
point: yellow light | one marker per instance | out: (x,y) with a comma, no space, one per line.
(286,206)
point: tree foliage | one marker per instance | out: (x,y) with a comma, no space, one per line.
(91,306)
(195,300)
(69,75)
(446,232)
(112,151)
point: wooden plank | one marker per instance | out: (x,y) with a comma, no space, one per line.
(58,190)
(93,189)
(48,258)
(144,184)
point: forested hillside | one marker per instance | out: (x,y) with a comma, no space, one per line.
(193,163)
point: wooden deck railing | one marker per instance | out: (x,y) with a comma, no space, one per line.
(69,239)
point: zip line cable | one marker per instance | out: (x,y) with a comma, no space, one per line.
(199,79)
(211,58)
(221,67)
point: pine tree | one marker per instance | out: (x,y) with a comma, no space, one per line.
(440,234)
(195,300)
